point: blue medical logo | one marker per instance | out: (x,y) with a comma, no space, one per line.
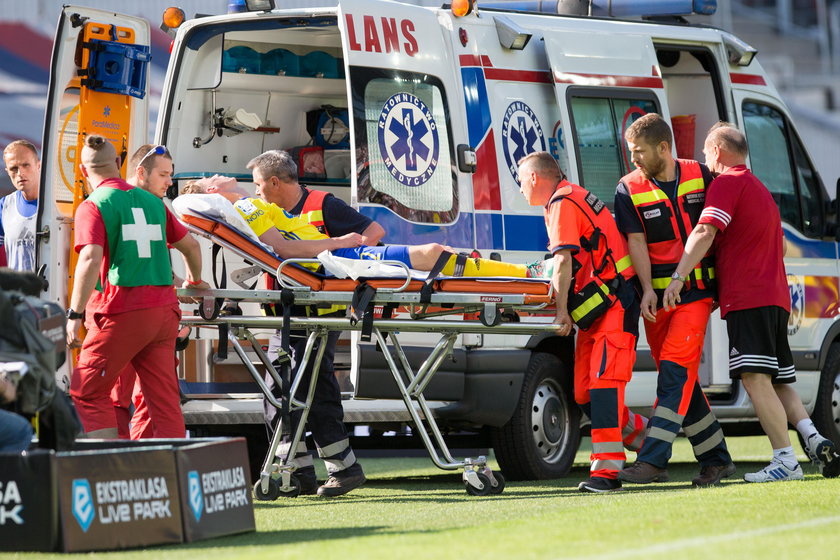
(107,111)
(408,139)
(83,509)
(797,303)
(521,135)
(196,497)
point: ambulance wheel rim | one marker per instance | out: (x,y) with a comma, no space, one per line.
(549,419)
(835,402)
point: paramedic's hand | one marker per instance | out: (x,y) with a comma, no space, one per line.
(564,323)
(649,305)
(348,241)
(186,284)
(672,295)
(73,340)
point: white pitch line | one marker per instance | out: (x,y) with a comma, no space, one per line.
(706,540)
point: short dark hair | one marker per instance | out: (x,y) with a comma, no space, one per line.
(149,162)
(651,128)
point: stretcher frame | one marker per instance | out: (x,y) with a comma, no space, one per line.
(495,298)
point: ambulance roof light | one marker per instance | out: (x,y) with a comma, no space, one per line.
(461,8)
(610,8)
(237,6)
(511,36)
(738,51)
(172,19)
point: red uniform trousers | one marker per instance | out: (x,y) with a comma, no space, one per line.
(145,339)
(125,392)
(604,358)
(676,344)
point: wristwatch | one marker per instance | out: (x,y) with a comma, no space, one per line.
(676,276)
(75,315)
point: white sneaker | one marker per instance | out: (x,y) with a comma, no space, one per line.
(776,471)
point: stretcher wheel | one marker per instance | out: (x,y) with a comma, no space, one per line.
(473,491)
(207,313)
(293,491)
(500,484)
(272,494)
(496,319)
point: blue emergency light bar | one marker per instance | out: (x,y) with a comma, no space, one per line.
(616,8)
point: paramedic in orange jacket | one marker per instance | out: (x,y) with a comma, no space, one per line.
(594,285)
(656,207)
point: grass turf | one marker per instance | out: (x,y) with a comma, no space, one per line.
(409,508)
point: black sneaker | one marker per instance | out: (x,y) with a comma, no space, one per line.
(825,455)
(600,485)
(307,480)
(339,484)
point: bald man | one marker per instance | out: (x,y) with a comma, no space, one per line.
(121,237)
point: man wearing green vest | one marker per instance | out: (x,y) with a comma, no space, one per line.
(121,237)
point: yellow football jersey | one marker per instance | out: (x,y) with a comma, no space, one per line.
(262,216)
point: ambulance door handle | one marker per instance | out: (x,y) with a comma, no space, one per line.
(467,160)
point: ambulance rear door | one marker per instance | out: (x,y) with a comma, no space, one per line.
(405,117)
(98,85)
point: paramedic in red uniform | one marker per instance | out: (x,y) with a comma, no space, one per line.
(150,168)
(590,257)
(656,207)
(742,221)
(121,236)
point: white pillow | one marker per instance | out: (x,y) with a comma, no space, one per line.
(216,206)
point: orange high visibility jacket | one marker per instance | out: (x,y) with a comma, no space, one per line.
(313,210)
(602,265)
(667,226)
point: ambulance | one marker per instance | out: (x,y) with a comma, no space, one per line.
(465,90)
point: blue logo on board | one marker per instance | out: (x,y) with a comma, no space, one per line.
(408,139)
(521,135)
(196,497)
(83,509)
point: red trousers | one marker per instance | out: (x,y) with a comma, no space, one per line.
(145,339)
(604,358)
(125,392)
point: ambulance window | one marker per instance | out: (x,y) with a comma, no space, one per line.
(599,124)
(778,159)
(403,144)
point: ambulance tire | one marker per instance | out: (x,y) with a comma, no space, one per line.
(826,415)
(543,435)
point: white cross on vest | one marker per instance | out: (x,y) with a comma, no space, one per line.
(141,232)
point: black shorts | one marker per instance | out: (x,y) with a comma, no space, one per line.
(758,343)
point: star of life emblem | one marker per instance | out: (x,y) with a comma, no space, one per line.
(408,139)
(521,135)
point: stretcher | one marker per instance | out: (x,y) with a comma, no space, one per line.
(478,304)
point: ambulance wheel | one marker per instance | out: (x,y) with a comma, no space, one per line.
(294,490)
(271,494)
(473,491)
(542,437)
(500,483)
(826,414)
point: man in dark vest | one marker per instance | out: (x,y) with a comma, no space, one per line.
(656,207)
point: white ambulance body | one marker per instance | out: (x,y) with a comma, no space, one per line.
(437,110)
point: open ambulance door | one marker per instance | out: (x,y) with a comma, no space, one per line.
(98,85)
(402,87)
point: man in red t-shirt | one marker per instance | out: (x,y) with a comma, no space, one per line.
(595,287)
(121,236)
(742,220)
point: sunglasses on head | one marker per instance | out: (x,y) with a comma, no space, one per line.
(157,150)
